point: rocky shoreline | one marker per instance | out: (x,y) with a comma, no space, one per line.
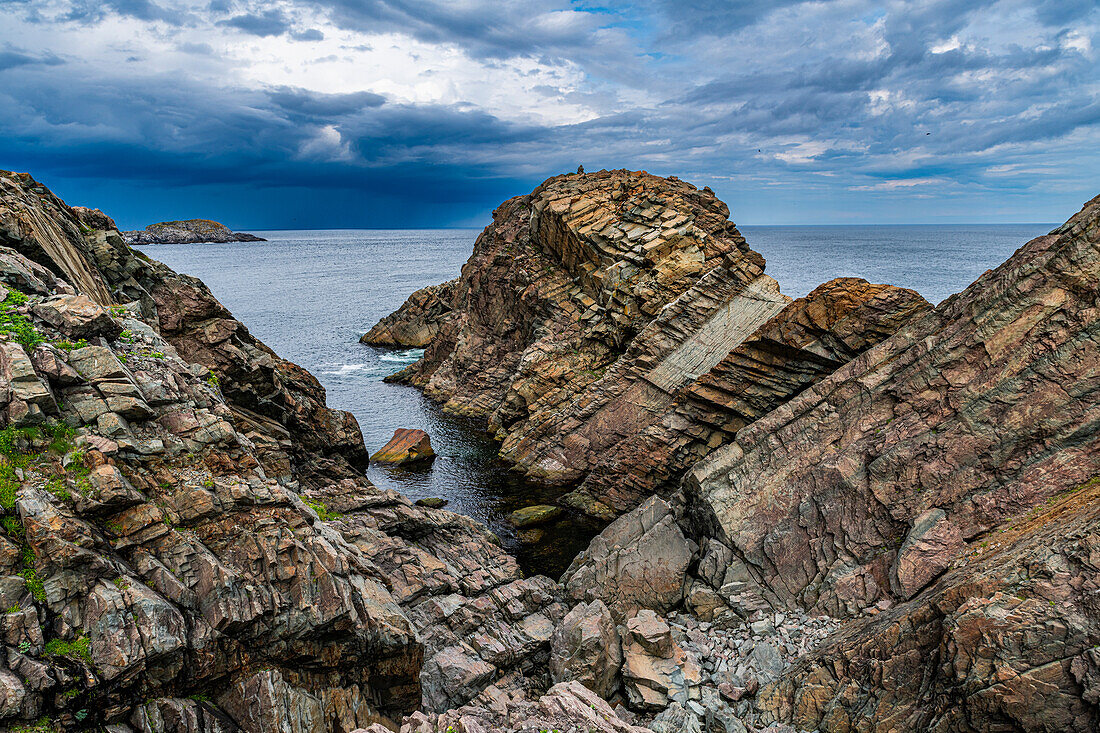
(847,512)
(189,231)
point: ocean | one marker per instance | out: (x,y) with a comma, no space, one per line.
(310,295)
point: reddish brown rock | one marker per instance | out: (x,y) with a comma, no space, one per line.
(808,339)
(406,446)
(418,321)
(584,306)
(205,534)
(955,465)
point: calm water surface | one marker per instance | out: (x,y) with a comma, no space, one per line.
(310,295)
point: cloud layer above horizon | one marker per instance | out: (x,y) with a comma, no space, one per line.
(430,112)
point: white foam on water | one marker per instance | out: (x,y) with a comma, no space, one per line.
(402,357)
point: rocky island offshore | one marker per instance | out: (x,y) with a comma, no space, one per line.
(850,511)
(189,231)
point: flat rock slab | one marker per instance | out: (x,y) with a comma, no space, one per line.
(406,446)
(533,515)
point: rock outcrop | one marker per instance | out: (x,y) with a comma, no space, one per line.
(187,542)
(948,475)
(585,306)
(418,321)
(613,328)
(188,231)
(808,339)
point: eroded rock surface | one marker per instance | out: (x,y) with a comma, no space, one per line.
(942,487)
(808,339)
(585,306)
(187,543)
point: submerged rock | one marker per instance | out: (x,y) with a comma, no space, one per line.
(406,446)
(189,231)
(534,515)
(432,502)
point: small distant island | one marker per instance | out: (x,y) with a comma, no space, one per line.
(190,231)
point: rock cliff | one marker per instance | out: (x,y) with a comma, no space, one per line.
(598,293)
(949,475)
(894,525)
(612,328)
(189,231)
(186,541)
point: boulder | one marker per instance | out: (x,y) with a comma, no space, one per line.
(405,447)
(656,671)
(534,515)
(638,562)
(77,316)
(932,543)
(586,647)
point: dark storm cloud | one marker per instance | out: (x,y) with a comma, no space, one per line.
(307,104)
(267,23)
(487,28)
(11,57)
(860,94)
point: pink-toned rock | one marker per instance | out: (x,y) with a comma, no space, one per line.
(406,446)
(928,549)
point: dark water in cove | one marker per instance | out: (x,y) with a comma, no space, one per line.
(310,295)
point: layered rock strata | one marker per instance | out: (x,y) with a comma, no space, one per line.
(950,476)
(585,305)
(613,328)
(188,231)
(186,541)
(808,339)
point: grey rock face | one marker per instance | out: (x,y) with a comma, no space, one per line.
(585,647)
(640,561)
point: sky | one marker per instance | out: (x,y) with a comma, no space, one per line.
(419,113)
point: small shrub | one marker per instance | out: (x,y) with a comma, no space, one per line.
(34,584)
(66,345)
(323,512)
(17,325)
(78,648)
(13,528)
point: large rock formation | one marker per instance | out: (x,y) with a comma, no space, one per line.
(616,326)
(810,338)
(188,231)
(584,306)
(951,470)
(186,541)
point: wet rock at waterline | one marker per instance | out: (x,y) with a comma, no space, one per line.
(533,516)
(407,446)
(432,502)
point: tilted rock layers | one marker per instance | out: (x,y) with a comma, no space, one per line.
(591,329)
(186,543)
(575,295)
(808,339)
(950,472)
